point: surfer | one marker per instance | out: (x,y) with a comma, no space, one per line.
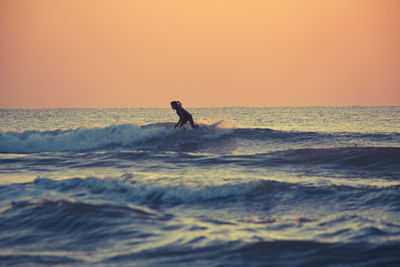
(184,116)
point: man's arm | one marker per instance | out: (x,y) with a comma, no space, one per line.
(179,112)
(179,122)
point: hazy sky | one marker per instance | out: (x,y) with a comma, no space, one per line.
(114,53)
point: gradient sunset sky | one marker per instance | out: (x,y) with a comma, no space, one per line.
(63,53)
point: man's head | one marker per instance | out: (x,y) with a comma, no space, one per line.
(174,104)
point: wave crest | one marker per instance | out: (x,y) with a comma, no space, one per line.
(80,139)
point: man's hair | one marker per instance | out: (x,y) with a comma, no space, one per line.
(176,103)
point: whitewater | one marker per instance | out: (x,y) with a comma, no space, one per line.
(288,186)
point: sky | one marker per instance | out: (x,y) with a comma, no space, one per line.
(206,53)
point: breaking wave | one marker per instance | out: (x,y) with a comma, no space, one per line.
(115,136)
(162,138)
(77,140)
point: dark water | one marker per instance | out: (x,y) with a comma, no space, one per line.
(289,186)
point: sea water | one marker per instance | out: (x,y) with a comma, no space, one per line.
(268,186)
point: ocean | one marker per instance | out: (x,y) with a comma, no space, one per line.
(290,186)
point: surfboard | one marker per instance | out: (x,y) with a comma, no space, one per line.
(212,126)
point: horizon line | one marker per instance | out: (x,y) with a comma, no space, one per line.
(197,107)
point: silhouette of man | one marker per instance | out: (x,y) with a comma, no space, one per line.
(184,116)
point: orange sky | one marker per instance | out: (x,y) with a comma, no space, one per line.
(207,53)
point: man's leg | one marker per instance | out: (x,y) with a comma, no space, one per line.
(192,123)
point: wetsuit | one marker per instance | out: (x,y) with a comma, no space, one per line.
(184,117)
